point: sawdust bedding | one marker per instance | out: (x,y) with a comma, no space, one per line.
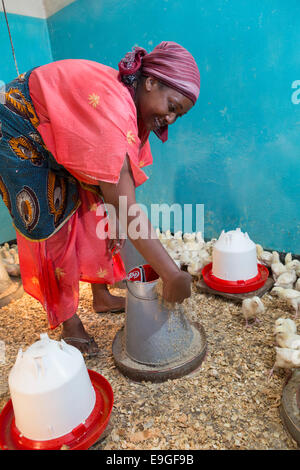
(227,404)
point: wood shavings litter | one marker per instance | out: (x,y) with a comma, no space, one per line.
(227,404)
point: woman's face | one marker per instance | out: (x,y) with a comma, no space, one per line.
(158,105)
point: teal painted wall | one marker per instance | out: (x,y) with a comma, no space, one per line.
(238,150)
(32,47)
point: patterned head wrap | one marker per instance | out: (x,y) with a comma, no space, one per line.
(170,63)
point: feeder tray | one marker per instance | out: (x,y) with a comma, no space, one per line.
(189,362)
(80,438)
(260,287)
(13,292)
(290,406)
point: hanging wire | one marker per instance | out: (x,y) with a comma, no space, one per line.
(12,46)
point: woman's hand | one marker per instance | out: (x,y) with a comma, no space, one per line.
(115,245)
(177,287)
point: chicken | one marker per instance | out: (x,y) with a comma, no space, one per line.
(297,285)
(195,268)
(288,258)
(199,238)
(285,293)
(276,266)
(293,265)
(189,237)
(289,340)
(204,257)
(286,358)
(265,257)
(251,308)
(295,304)
(285,325)
(286,280)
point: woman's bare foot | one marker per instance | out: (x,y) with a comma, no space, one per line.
(73,333)
(104,302)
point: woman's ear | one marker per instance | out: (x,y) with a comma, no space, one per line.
(150,83)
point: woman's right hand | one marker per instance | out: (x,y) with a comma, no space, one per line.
(177,287)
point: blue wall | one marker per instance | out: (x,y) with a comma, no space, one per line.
(32,47)
(236,151)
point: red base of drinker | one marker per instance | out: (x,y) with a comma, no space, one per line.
(235,287)
(80,438)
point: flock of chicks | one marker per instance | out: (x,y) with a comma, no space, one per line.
(191,251)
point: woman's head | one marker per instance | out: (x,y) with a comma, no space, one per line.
(166,84)
(159,105)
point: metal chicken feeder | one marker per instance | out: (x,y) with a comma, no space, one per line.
(156,343)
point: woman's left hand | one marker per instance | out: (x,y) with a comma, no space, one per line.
(115,245)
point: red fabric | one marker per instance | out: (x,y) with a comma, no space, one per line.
(51,269)
(88,121)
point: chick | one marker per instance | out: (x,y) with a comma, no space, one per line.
(285,293)
(288,258)
(285,325)
(286,280)
(295,304)
(251,308)
(265,257)
(195,268)
(277,267)
(178,235)
(293,265)
(285,339)
(297,285)
(204,257)
(286,358)
(189,237)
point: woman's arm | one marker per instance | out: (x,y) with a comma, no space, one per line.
(177,284)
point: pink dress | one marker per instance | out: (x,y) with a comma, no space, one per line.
(88,122)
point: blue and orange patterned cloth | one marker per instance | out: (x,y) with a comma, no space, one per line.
(39,194)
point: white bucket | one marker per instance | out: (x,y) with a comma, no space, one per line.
(234,257)
(50,389)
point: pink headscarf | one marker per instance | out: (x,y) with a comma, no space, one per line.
(170,63)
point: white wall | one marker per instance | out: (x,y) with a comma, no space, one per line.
(35,8)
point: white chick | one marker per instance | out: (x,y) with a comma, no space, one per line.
(209,246)
(191,246)
(295,304)
(285,293)
(204,257)
(277,267)
(288,258)
(285,325)
(185,258)
(265,257)
(297,285)
(195,268)
(251,308)
(286,358)
(288,340)
(286,280)
(178,235)
(199,238)
(189,237)
(293,265)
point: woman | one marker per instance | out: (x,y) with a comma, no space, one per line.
(75,135)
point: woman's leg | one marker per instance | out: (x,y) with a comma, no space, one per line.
(104,302)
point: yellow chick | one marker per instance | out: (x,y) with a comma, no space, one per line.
(285,339)
(286,358)
(286,280)
(285,325)
(251,308)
